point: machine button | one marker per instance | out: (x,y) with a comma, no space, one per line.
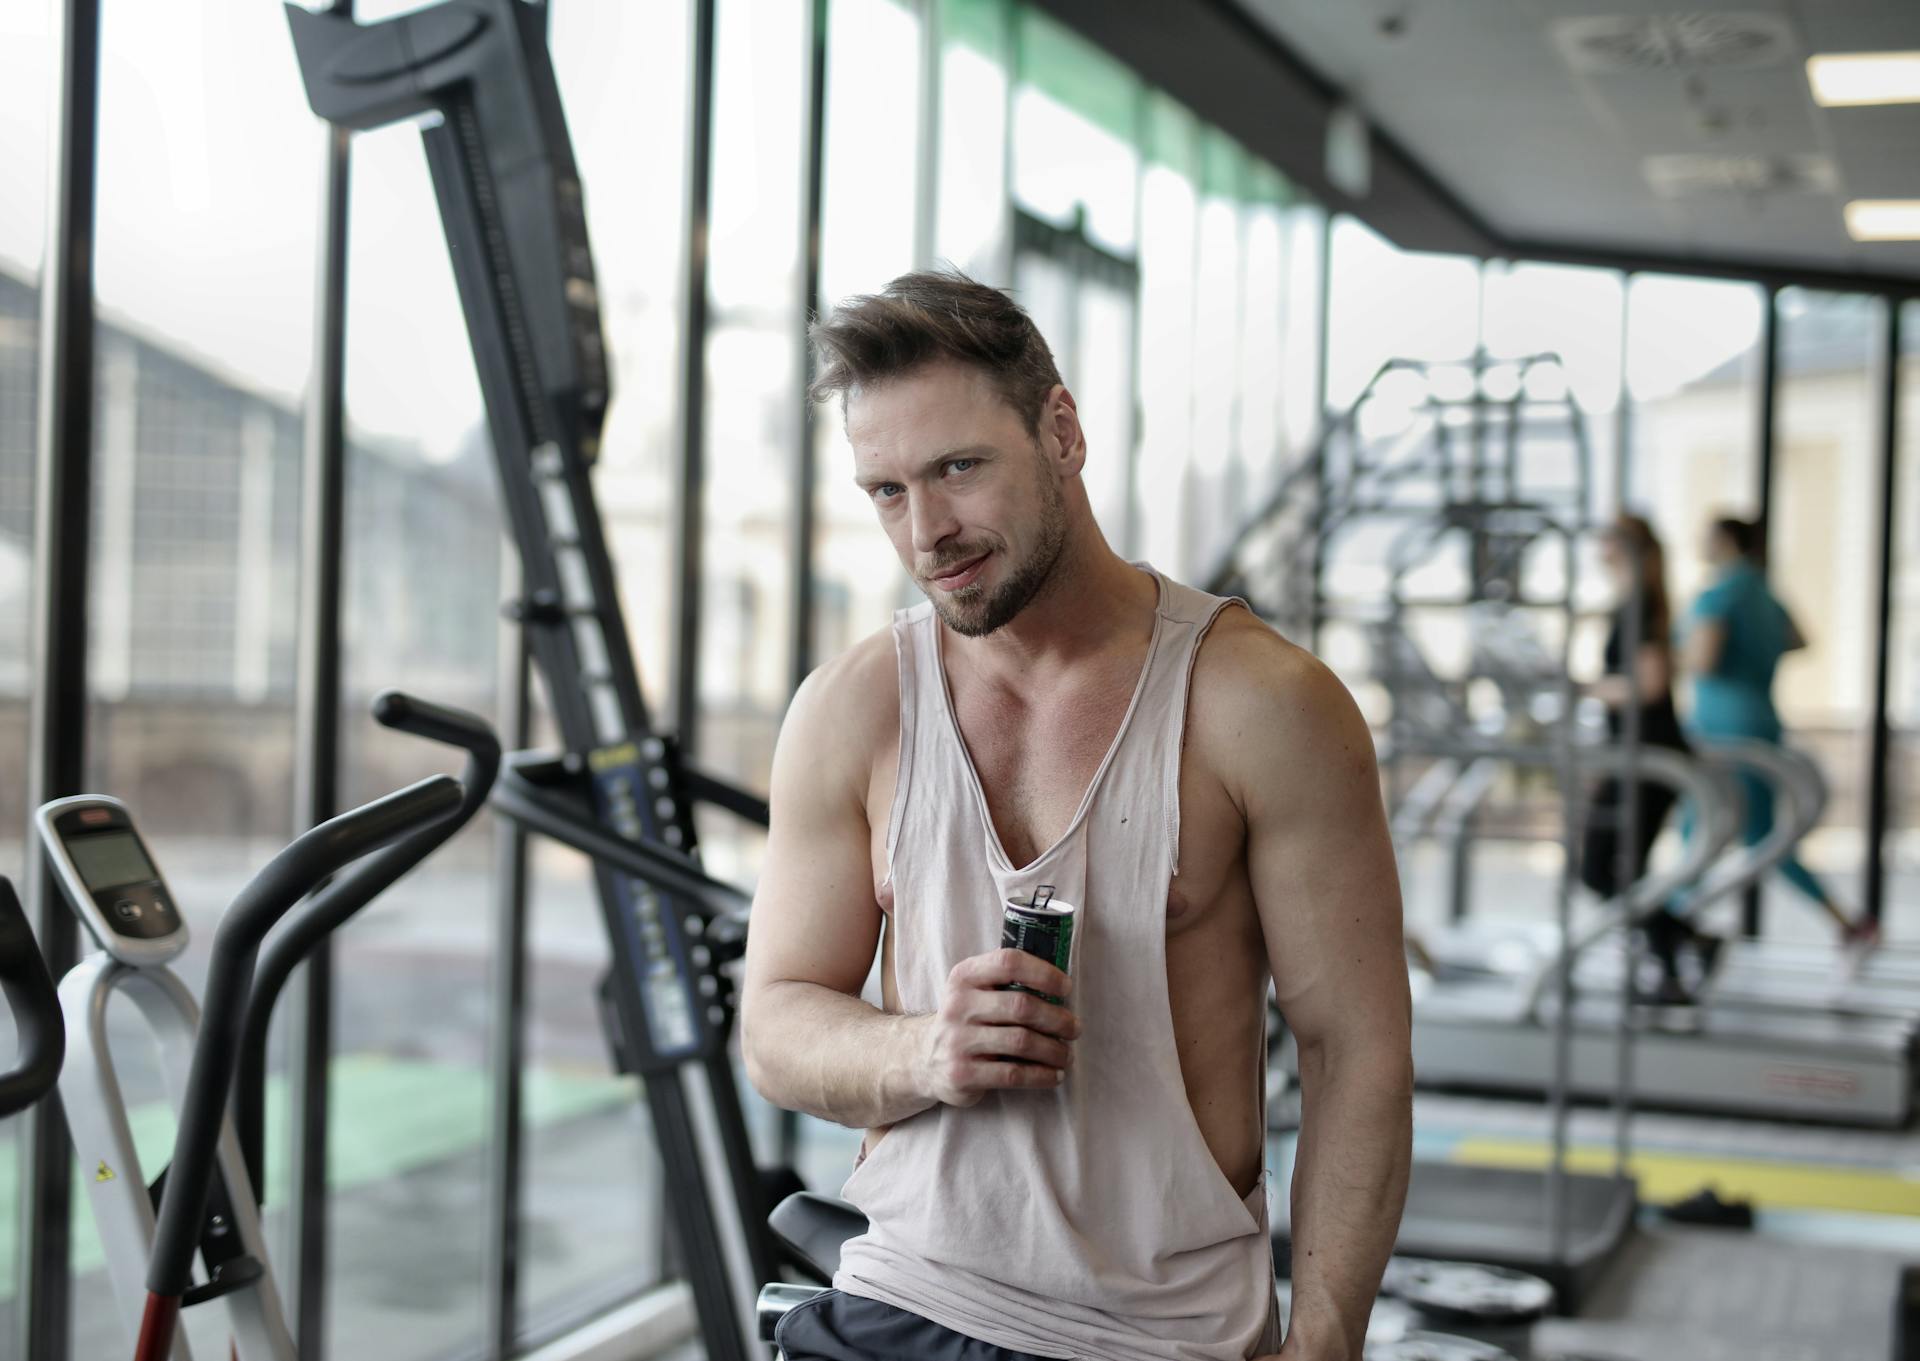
(127,910)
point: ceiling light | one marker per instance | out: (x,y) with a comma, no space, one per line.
(1884,219)
(1842,78)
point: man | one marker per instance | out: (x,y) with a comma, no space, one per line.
(1083,1179)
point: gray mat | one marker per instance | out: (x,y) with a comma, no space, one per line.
(1680,1294)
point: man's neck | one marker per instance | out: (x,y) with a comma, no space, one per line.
(1094,601)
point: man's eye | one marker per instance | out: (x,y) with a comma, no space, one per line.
(886,491)
(960,465)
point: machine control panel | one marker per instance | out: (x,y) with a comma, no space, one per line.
(110,879)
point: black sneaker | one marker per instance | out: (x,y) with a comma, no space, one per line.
(1705,1208)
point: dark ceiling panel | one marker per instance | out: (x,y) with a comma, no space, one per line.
(1224,66)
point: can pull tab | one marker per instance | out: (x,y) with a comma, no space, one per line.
(1041,896)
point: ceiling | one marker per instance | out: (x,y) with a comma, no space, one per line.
(1617,127)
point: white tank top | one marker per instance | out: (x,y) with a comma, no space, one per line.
(1090,1220)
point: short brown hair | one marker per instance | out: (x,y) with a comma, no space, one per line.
(929,315)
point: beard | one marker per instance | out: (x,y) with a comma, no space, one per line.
(974,611)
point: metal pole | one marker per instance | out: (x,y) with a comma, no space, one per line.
(690,494)
(926,167)
(317,727)
(1873,898)
(1623,406)
(507,1007)
(801,641)
(1769,412)
(62,534)
(507,996)
(1321,387)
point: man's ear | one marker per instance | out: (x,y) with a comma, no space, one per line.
(1064,443)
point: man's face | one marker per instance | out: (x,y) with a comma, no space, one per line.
(969,498)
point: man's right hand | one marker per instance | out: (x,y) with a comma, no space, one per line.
(985,1039)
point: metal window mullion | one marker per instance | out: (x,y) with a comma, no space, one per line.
(62,535)
(1873,895)
(801,640)
(507,1017)
(316,740)
(507,995)
(926,168)
(691,490)
(1767,438)
(1322,387)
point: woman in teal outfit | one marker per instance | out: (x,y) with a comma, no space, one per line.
(1734,637)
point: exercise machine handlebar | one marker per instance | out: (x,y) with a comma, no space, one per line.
(521,795)
(296,936)
(289,876)
(30,996)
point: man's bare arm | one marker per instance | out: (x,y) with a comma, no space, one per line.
(811,1044)
(1328,893)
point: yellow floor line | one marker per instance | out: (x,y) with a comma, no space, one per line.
(1665,1177)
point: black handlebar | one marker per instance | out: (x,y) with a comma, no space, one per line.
(25,983)
(525,794)
(329,909)
(287,878)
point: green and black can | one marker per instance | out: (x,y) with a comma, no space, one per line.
(1040,926)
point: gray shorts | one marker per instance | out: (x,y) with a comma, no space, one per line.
(841,1327)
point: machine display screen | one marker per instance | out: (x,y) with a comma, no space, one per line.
(107,859)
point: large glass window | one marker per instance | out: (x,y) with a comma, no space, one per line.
(1169,232)
(1577,315)
(754,407)
(1216,462)
(1693,436)
(204,251)
(970,227)
(867,238)
(1075,126)
(406,1172)
(591,1210)
(26,58)
(1393,304)
(1823,562)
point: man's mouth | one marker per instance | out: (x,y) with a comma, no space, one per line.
(960,574)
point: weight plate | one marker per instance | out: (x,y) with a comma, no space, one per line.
(1467,1291)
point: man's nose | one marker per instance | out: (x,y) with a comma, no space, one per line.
(933,521)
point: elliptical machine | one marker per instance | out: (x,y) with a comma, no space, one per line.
(28,989)
(206,1201)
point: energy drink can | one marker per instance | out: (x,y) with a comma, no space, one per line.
(1040,926)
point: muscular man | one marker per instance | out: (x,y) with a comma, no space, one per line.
(1083,1180)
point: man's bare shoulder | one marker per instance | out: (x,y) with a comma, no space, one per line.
(847,711)
(1261,705)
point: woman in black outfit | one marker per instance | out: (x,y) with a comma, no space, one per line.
(1633,557)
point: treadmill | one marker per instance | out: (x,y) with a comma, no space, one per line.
(1777,1031)
(478,76)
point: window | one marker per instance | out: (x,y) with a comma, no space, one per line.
(26,58)
(754,407)
(422,581)
(1823,547)
(204,257)
(1075,126)
(1169,228)
(1693,381)
(591,1204)
(1393,304)
(970,229)
(867,238)
(1578,315)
